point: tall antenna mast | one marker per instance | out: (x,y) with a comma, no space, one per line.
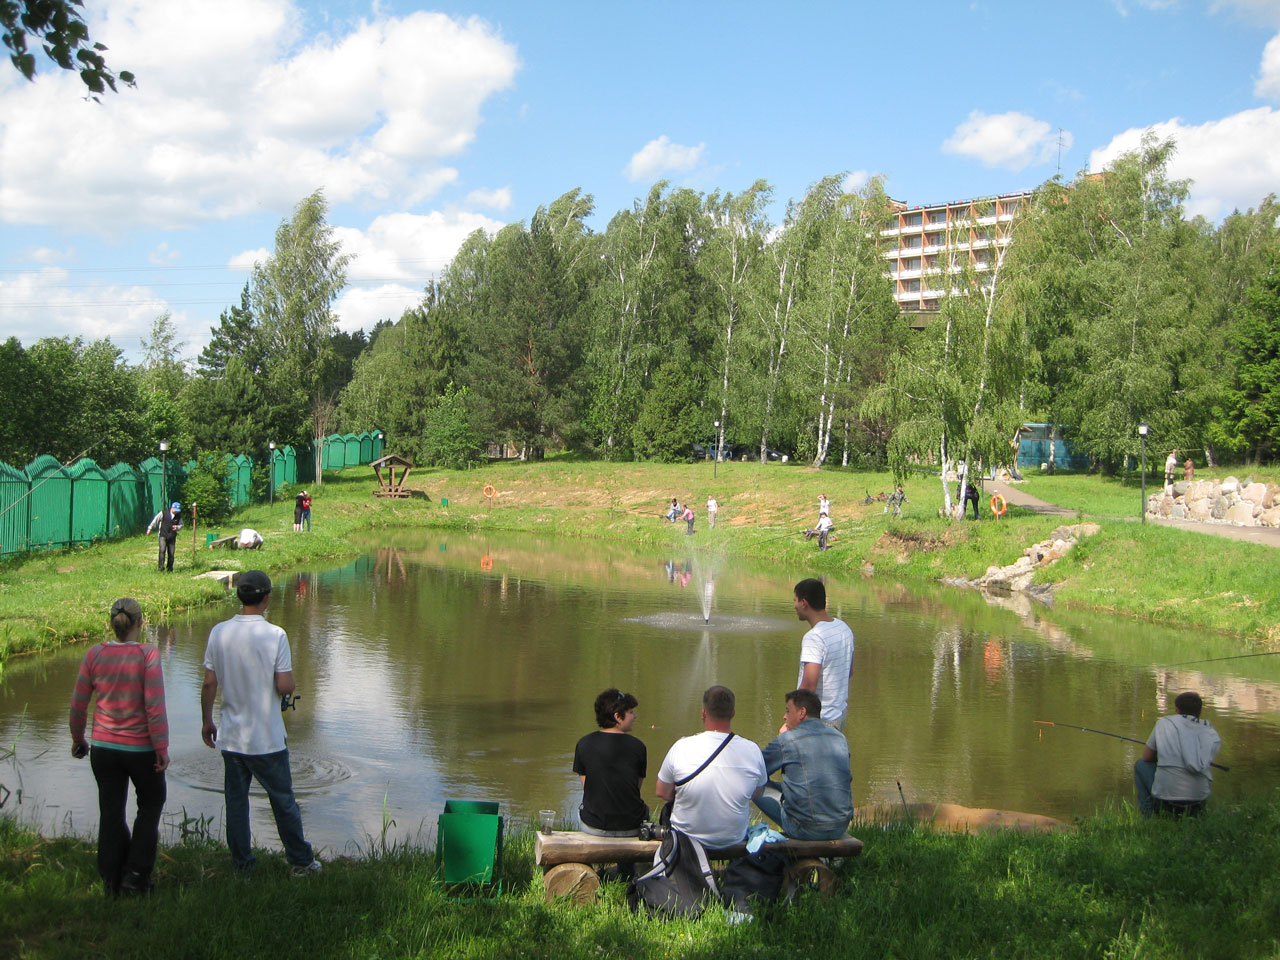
(1059,151)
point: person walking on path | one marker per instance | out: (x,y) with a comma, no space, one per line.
(712,507)
(130,745)
(1173,775)
(250,659)
(168,522)
(826,652)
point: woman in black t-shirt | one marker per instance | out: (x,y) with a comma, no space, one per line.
(611,764)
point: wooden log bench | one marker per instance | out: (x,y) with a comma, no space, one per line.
(568,859)
(228,543)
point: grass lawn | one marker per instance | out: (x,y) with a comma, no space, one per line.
(1119,886)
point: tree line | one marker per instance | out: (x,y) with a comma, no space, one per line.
(693,319)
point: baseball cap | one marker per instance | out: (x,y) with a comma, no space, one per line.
(129,607)
(175,506)
(252,586)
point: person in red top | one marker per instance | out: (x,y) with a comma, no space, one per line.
(130,744)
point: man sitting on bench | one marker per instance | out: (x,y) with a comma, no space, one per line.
(712,777)
(813,801)
(611,764)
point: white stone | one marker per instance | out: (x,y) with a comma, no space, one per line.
(1255,493)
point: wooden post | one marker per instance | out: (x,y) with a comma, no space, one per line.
(193,533)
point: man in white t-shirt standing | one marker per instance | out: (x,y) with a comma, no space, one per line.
(826,652)
(712,507)
(713,802)
(249,658)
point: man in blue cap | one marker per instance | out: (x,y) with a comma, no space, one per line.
(169,522)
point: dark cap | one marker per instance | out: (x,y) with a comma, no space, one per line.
(129,607)
(252,586)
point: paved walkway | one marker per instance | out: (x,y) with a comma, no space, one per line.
(1267,536)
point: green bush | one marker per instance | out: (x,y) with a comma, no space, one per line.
(208,486)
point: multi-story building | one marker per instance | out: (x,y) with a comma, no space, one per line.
(925,244)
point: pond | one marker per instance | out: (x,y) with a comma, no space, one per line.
(442,666)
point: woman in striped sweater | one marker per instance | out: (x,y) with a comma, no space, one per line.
(130,744)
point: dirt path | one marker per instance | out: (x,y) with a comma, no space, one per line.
(1267,536)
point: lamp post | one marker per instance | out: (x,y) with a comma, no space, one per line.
(164,460)
(1142,432)
(715,464)
(271,473)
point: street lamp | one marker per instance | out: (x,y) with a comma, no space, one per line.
(271,474)
(164,459)
(715,464)
(1142,432)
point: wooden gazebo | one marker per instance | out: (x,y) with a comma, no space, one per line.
(390,486)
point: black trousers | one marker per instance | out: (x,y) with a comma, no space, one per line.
(166,554)
(119,852)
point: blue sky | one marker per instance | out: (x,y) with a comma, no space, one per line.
(424,123)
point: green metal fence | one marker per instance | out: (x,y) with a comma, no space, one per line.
(47,506)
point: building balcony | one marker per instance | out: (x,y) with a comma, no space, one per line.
(905,274)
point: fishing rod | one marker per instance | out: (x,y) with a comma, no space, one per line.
(1238,656)
(1118,736)
(47,479)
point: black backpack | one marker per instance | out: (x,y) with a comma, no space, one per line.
(754,881)
(680,884)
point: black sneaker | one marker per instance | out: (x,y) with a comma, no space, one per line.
(135,884)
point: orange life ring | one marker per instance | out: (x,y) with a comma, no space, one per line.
(998,510)
(486,563)
(489,491)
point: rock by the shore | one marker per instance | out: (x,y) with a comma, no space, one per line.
(1244,504)
(1016,577)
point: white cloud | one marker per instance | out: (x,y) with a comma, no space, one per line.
(498,199)
(1234,162)
(1011,140)
(245,261)
(1268,83)
(50,302)
(855,180)
(394,257)
(48,255)
(1156,5)
(163,254)
(661,155)
(230,116)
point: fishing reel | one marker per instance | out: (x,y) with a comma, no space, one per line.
(289,700)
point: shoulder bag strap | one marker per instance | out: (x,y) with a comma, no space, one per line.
(706,763)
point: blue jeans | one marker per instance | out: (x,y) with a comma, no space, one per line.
(272,771)
(770,804)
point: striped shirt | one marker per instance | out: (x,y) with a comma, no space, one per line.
(129,713)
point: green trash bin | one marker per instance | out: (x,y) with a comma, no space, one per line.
(209,538)
(469,847)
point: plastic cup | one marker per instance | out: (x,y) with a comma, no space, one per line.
(546,820)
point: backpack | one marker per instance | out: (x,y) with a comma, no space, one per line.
(754,880)
(680,884)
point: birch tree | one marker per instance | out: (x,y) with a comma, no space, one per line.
(292,296)
(738,228)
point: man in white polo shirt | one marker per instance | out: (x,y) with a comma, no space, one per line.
(826,652)
(713,776)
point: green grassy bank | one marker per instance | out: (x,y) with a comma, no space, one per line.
(1147,571)
(1119,887)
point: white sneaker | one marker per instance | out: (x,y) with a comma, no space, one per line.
(312,868)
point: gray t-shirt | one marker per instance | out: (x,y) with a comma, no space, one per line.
(1184,746)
